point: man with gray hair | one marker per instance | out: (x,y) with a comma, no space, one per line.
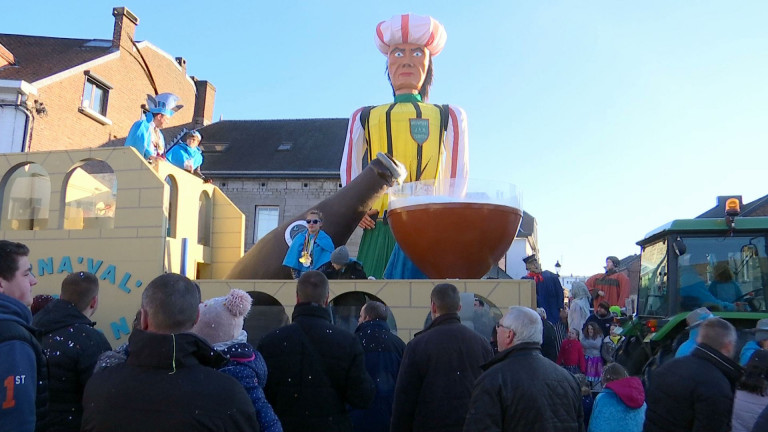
(520,389)
(695,392)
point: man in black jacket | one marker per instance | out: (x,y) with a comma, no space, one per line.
(695,392)
(315,368)
(439,368)
(72,346)
(521,389)
(168,382)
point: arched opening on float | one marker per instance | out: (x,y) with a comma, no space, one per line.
(26,197)
(266,315)
(170,205)
(345,310)
(477,313)
(204,219)
(90,195)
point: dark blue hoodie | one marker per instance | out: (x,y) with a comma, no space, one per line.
(22,370)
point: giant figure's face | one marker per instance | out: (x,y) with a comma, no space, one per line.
(407,64)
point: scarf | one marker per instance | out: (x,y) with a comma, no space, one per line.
(538,277)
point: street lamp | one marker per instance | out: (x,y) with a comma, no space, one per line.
(557,267)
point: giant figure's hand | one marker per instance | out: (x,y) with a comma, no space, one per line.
(369,219)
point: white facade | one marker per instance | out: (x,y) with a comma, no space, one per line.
(15,118)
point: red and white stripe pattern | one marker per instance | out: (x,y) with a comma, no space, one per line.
(410,28)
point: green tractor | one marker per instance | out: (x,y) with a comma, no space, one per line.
(720,264)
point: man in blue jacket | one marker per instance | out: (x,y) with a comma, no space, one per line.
(383,354)
(22,366)
(145,135)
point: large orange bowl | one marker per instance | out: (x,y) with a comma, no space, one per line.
(455,240)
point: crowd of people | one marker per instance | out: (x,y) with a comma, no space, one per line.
(187,365)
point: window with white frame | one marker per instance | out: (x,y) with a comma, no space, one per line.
(96,94)
(267,218)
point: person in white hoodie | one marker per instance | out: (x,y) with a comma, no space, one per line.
(751,393)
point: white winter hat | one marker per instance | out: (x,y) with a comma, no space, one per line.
(221,318)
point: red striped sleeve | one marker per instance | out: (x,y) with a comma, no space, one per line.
(455,152)
(350,149)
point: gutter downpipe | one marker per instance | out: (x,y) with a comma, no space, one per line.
(26,141)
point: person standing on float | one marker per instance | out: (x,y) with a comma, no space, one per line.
(429,140)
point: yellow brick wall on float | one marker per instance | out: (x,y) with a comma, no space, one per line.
(405,298)
(124,258)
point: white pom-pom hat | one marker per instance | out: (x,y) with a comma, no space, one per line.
(221,318)
(410,28)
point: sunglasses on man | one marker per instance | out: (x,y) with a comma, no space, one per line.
(312,221)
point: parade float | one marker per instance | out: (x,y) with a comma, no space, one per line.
(113,213)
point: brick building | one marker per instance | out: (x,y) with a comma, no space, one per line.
(59,93)
(275,169)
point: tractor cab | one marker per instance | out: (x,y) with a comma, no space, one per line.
(720,264)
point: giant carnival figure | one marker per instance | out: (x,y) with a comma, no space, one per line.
(406,140)
(429,140)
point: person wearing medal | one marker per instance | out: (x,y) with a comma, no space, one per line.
(429,140)
(310,249)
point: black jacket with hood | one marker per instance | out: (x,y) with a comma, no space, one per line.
(72,347)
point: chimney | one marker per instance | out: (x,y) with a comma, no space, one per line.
(183,63)
(206,93)
(125,28)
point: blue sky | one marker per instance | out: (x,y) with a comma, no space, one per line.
(611,117)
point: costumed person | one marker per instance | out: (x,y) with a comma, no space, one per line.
(221,324)
(694,320)
(429,140)
(571,355)
(611,286)
(342,266)
(579,307)
(549,292)
(145,135)
(187,154)
(310,249)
